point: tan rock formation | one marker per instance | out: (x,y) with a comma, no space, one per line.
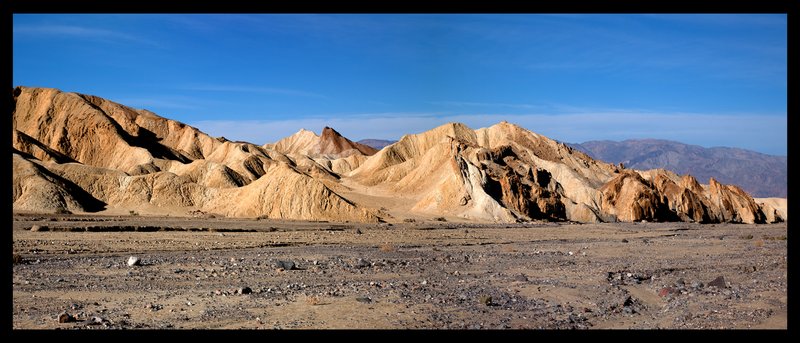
(775,209)
(36,189)
(82,153)
(330,144)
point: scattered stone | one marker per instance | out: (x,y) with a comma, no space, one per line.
(37,228)
(244,290)
(680,282)
(358,231)
(365,300)
(134,261)
(697,284)
(521,278)
(65,317)
(95,321)
(424,282)
(629,306)
(718,282)
(624,240)
(361,263)
(749,269)
(666,291)
(285,265)
(485,300)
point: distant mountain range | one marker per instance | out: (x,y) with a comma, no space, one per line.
(376,143)
(759,174)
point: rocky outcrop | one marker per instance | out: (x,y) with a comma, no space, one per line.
(330,145)
(80,153)
(37,189)
(630,197)
(733,204)
(774,209)
(523,188)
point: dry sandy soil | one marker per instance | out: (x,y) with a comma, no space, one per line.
(219,273)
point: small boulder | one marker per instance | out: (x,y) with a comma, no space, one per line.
(285,265)
(65,317)
(134,261)
(666,291)
(719,282)
(37,228)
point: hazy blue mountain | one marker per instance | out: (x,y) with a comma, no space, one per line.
(376,143)
(759,174)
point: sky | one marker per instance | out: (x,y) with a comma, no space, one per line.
(704,79)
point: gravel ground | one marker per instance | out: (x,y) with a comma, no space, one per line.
(73,272)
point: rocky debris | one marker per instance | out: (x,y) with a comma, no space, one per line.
(631,305)
(556,295)
(285,265)
(244,290)
(365,300)
(667,291)
(361,263)
(95,320)
(624,277)
(520,278)
(134,261)
(65,317)
(37,228)
(719,282)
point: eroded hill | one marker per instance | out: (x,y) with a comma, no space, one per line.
(81,153)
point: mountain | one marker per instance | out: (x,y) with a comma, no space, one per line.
(759,174)
(377,144)
(81,153)
(329,144)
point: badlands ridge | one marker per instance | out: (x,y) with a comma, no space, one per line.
(84,154)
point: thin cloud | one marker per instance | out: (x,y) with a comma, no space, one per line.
(146,103)
(485,104)
(79,32)
(262,90)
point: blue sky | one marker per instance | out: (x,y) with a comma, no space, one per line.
(710,80)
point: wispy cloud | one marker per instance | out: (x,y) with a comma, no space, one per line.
(767,134)
(486,104)
(248,89)
(79,32)
(147,103)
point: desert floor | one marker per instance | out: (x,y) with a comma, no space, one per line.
(221,273)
